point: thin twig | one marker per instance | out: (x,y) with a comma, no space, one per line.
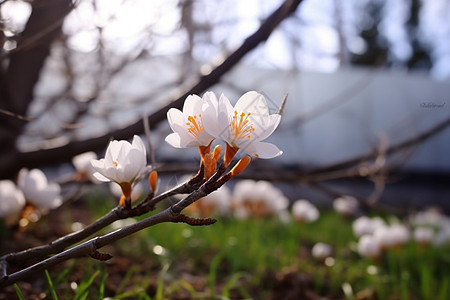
(90,247)
(115,214)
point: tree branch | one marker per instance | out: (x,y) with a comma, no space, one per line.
(90,247)
(40,252)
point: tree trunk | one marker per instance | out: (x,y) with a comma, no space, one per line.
(19,77)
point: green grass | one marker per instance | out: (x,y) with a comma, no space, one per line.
(246,259)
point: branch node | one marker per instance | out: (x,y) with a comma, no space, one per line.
(180,218)
(100,256)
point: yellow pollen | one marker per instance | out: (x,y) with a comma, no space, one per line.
(195,126)
(240,127)
(115,163)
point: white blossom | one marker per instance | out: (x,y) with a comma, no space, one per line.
(187,125)
(258,199)
(82,163)
(365,225)
(369,246)
(243,126)
(304,211)
(423,235)
(321,250)
(12,201)
(123,162)
(38,191)
(346,205)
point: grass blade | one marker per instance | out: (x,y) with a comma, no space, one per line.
(82,291)
(51,286)
(160,289)
(18,292)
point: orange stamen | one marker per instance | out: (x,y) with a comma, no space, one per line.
(195,125)
(240,127)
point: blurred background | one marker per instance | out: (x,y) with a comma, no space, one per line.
(367,82)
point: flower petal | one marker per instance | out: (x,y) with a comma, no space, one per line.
(138,144)
(273,122)
(174,140)
(192,105)
(224,113)
(100,177)
(262,150)
(209,115)
(253,102)
(176,119)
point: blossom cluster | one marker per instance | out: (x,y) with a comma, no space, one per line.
(242,126)
(33,189)
(251,199)
(248,199)
(376,236)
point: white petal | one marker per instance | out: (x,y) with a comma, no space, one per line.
(111,152)
(98,164)
(262,150)
(225,111)
(174,140)
(48,198)
(82,161)
(253,102)
(138,144)
(274,121)
(38,177)
(134,166)
(210,118)
(100,177)
(176,119)
(192,105)
(210,97)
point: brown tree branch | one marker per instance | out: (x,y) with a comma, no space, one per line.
(90,247)
(40,252)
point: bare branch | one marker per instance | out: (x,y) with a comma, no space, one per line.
(115,214)
(90,247)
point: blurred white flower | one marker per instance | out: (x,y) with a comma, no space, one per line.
(258,199)
(321,250)
(390,236)
(217,202)
(423,235)
(82,163)
(304,211)
(346,205)
(38,191)
(187,126)
(368,246)
(430,217)
(400,234)
(365,225)
(12,202)
(442,236)
(384,237)
(243,126)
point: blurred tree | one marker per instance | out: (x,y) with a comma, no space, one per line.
(21,67)
(116,61)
